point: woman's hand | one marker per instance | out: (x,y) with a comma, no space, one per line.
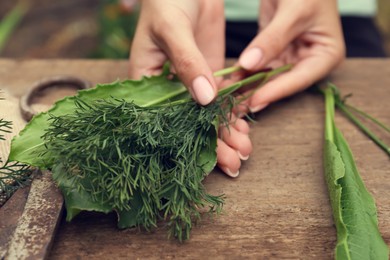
(233,146)
(305,33)
(190,34)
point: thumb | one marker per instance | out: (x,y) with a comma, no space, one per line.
(190,65)
(270,42)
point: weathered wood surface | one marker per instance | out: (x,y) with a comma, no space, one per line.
(277,208)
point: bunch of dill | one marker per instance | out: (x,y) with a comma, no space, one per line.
(143,156)
(146,163)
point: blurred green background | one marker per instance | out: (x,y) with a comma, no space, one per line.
(85,28)
(67,28)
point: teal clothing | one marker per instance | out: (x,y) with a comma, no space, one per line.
(242,10)
(248,10)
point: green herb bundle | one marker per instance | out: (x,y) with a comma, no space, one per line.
(354,210)
(146,163)
(140,148)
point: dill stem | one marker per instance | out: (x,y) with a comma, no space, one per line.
(255,77)
(357,122)
(364,114)
(329,113)
(265,75)
(226,71)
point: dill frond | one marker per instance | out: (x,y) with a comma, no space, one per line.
(13,175)
(146,160)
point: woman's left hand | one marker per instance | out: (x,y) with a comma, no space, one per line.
(304,33)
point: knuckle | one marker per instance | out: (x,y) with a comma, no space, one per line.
(338,54)
(159,27)
(341,53)
(305,12)
(274,41)
(213,9)
(166,28)
(184,63)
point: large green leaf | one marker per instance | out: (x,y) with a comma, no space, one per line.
(76,200)
(354,210)
(149,91)
(209,151)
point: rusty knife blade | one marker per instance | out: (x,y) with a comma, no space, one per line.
(36,227)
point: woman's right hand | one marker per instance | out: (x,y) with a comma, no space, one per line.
(190,34)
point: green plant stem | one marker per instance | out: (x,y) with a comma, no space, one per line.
(239,84)
(258,76)
(364,114)
(353,207)
(226,71)
(329,113)
(357,122)
(10,21)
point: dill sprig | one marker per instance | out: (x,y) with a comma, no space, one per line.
(13,175)
(140,159)
(5,127)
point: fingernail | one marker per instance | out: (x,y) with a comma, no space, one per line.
(242,157)
(250,58)
(257,108)
(231,174)
(203,90)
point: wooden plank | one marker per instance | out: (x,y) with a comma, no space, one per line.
(278,208)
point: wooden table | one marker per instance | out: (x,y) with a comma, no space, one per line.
(277,208)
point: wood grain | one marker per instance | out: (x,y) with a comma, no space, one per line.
(277,208)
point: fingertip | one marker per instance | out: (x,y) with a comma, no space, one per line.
(192,69)
(243,157)
(237,141)
(241,125)
(251,58)
(228,159)
(254,108)
(230,173)
(203,90)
